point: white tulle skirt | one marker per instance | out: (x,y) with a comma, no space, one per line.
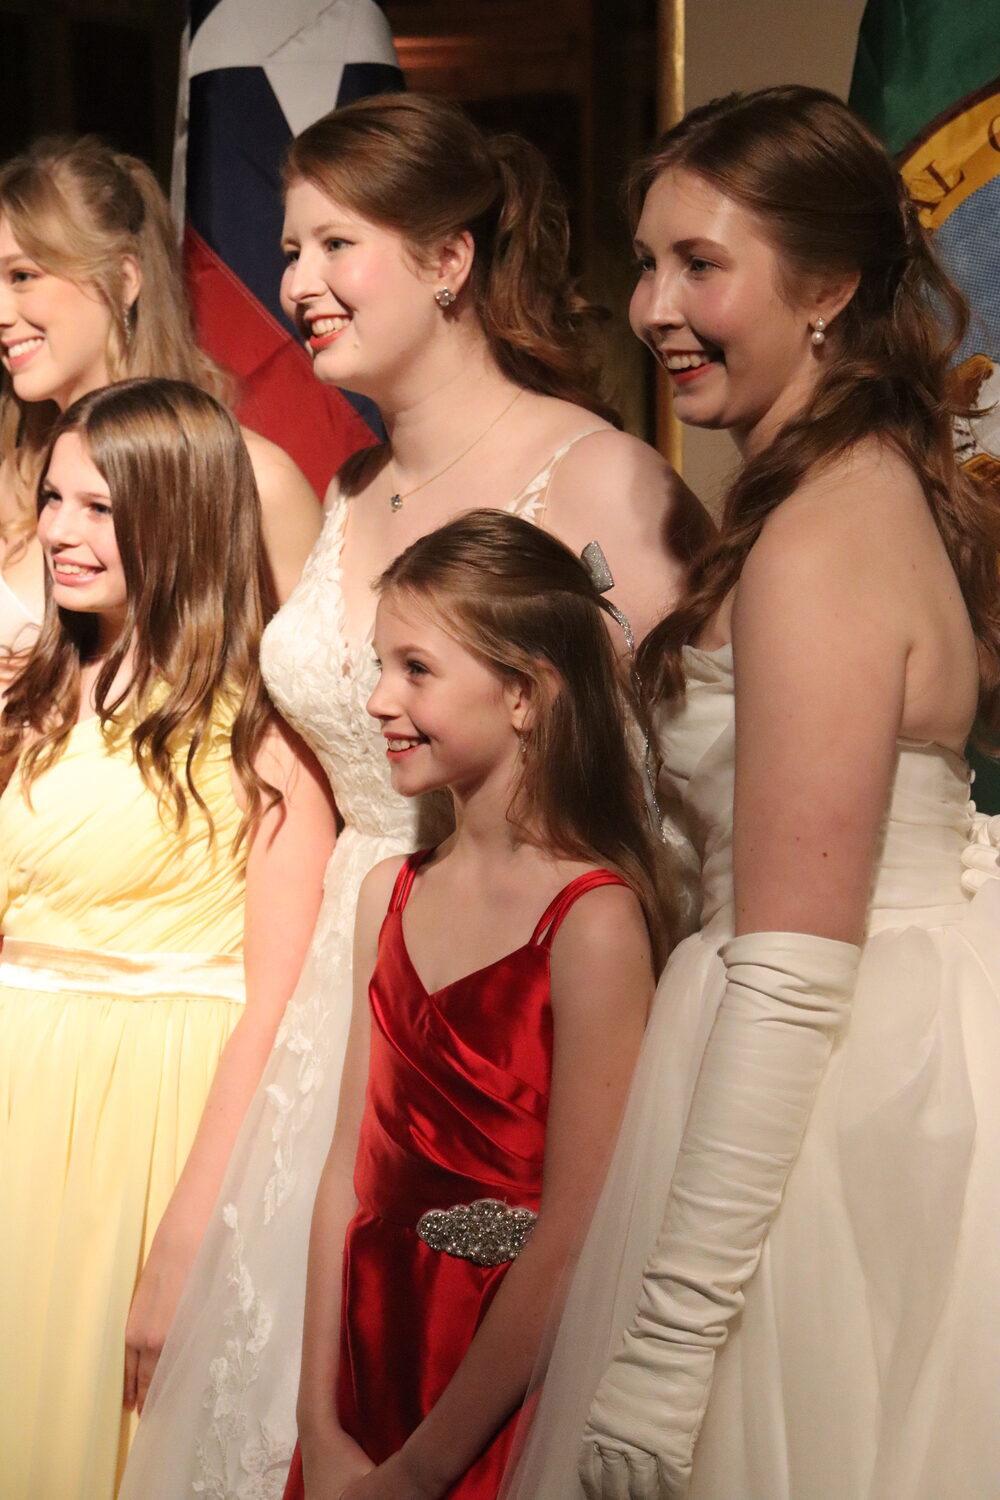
(219,1421)
(866,1362)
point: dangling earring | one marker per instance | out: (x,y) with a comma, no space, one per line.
(818,335)
(444,297)
(128,322)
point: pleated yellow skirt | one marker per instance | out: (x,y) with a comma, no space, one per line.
(105,1064)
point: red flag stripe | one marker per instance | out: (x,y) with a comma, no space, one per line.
(280,397)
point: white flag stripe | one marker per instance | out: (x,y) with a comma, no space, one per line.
(302,49)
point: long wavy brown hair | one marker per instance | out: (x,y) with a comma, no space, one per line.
(527,606)
(829,200)
(187,524)
(418,165)
(77,208)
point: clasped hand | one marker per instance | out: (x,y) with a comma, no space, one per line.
(342,1471)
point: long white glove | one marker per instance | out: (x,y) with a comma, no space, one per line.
(786,1000)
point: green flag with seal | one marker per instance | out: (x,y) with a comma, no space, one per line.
(927,80)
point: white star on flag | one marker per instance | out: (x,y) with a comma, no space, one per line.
(302,49)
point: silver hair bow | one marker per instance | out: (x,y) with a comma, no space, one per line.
(602,578)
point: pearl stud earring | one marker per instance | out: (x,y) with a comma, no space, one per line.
(818,335)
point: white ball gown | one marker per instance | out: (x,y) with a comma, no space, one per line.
(865,1364)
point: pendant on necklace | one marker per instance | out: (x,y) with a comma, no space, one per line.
(396,501)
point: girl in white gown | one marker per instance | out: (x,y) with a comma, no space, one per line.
(790,1290)
(427,270)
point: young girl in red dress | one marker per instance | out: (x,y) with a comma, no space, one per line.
(501,987)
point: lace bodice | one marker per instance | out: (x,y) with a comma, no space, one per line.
(320,685)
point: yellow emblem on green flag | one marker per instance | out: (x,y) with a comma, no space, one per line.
(927,79)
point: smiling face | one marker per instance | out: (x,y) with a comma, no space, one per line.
(362,305)
(448,719)
(77,533)
(712,305)
(54,333)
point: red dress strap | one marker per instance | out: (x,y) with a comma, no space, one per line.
(404,880)
(552,917)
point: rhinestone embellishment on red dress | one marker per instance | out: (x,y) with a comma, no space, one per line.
(487,1232)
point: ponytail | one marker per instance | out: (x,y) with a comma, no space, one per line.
(537,323)
(417,165)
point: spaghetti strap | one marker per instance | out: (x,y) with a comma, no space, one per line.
(555,912)
(404,880)
(533,499)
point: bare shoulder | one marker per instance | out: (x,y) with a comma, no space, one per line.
(603,927)
(377,887)
(611,461)
(276,472)
(850,556)
(613,474)
(267,456)
(869,492)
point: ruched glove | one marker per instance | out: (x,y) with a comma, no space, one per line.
(786,1000)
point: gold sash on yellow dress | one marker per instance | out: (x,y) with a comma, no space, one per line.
(50,967)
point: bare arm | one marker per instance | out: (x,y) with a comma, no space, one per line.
(602,982)
(614,489)
(285,866)
(821,654)
(291,513)
(330,1458)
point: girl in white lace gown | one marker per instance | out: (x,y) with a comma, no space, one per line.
(427,270)
(790,1288)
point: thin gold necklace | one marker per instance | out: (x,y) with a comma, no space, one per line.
(396,500)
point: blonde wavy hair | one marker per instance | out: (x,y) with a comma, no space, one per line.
(78,209)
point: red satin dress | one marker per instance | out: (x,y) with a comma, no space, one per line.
(458,1094)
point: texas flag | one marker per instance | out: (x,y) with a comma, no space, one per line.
(253,75)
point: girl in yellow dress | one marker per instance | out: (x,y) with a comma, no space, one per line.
(154,813)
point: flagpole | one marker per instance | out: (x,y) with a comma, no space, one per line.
(669,108)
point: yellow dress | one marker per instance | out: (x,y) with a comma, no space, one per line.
(120,980)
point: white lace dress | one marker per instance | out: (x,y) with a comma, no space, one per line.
(220,1417)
